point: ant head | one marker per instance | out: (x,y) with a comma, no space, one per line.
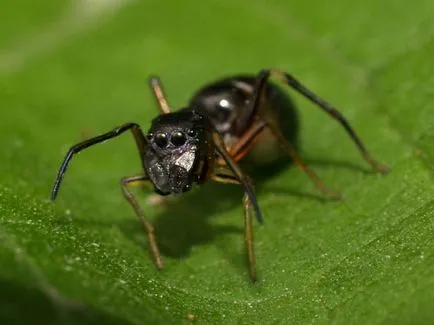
(174,148)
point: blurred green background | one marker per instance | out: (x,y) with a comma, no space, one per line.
(70,69)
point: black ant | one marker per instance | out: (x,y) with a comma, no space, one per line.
(224,121)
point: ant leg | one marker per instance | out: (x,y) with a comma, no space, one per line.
(125,181)
(239,175)
(133,127)
(249,138)
(231,173)
(245,142)
(157,89)
(319,184)
(324,105)
(223,175)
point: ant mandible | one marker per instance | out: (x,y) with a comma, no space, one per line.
(224,121)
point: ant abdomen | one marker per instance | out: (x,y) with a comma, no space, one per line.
(226,103)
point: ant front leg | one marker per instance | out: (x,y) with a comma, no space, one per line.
(160,97)
(125,181)
(321,103)
(74,150)
(224,175)
(229,172)
(238,174)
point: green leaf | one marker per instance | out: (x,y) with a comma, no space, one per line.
(74,69)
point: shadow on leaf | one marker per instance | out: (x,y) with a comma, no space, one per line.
(26,305)
(187,221)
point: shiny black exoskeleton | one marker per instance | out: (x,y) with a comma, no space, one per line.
(226,102)
(224,122)
(177,144)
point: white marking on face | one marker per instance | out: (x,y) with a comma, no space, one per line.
(186,160)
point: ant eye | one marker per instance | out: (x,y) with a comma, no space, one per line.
(192,133)
(149,136)
(161,140)
(178,138)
